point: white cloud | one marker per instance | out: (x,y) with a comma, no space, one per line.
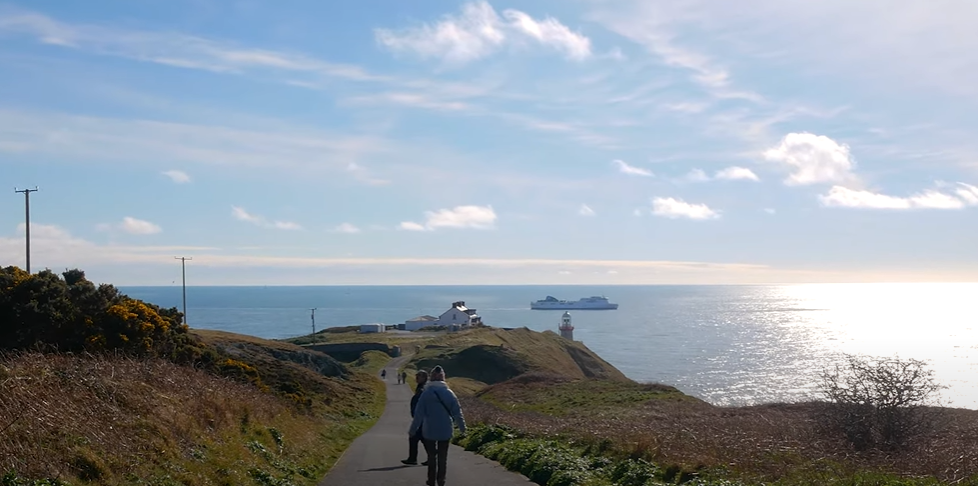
(729,174)
(672,208)
(178,176)
(968,193)
(737,174)
(363,175)
(551,32)
(477,217)
(138,226)
(347,228)
(813,159)
(770,210)
(585,210)
(411,226)
(480,217)
(478,31)
(697,175)
(840,196)
(631,170)
(241,214)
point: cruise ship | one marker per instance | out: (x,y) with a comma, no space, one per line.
(587,303)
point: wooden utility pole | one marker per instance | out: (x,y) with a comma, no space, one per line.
(27,228)
(183,269)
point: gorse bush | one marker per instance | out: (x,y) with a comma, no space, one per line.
(48,313)
(71,314)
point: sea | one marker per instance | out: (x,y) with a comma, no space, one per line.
(730,345)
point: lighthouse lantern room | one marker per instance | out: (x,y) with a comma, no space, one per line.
(566,329)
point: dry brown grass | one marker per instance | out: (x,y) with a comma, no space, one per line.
(59,410)
(769,441)
(115,420)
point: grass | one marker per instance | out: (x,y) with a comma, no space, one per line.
(491,355)
(562,461)
(116,420)
(771,444)
(351,334)
(560,396)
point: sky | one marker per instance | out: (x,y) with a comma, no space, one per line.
(443,142)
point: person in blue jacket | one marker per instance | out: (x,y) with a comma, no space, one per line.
(421,377)
(437,410)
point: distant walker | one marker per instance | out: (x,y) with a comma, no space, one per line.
(587,303)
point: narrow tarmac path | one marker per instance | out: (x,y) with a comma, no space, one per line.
(375,457)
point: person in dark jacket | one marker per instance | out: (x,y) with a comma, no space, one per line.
(437,410)
(413,439)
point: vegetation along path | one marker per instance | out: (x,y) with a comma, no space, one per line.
(375,457)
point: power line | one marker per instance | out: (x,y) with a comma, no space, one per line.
(27,229)
(183,269)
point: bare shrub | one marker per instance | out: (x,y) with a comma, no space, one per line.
(880,403)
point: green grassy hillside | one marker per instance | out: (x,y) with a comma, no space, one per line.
(491,355)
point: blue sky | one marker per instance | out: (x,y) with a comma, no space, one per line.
(587,141)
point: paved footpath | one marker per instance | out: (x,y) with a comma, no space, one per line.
(375,457)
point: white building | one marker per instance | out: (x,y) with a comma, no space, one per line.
(458,315)
(370,328)
(419,322)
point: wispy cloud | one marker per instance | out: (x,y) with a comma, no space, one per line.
(697,175)
(241,214)
(624,168)
(839,196)
(347,228)
(172,49)
(477,217)
(648,24)
(414,100)
(282,146)
(132,226)
(363,175)
(672,208)
(411,226)
(479,31)
(178,176)
(585,210)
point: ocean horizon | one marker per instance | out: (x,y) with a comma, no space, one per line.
(727,344)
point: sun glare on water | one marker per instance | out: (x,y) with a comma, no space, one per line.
(934,322)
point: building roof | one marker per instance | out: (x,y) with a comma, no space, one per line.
(423,318)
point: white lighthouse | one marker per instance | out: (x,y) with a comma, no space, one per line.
(566,329)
